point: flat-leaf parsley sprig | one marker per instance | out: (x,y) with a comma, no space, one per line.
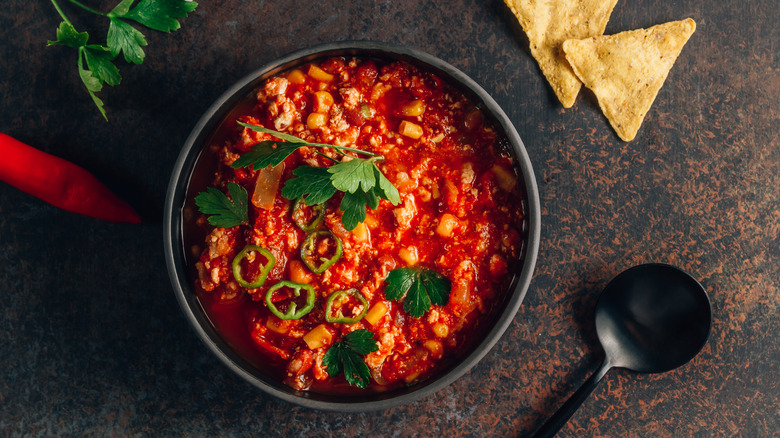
(345,356)
(225,212)
(161,15)
(361,181)
(418,288)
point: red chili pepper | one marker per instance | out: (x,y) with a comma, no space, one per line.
(60,183)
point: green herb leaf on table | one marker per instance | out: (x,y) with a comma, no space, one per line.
(345,356)
(121,9)
(224,212)
(100,62)
(100,66)
(68,36)
(361,181)
(91,80)
(160,14)
(418,288)
(122,37)
(93,85)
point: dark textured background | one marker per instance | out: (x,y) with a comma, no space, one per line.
(92,341)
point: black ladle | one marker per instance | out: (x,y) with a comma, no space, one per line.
(649,319)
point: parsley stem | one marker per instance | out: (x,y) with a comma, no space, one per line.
(86,8)
(340,149)
(326,156)
(297,140)
(62,14)
(345,148)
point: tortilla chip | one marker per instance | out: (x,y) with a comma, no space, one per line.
(626,70)
(548,23)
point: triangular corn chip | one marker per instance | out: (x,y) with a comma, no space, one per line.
(548,23)
(626,70)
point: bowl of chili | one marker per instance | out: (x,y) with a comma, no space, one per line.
(396,245)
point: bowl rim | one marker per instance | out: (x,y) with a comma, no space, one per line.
(210,120)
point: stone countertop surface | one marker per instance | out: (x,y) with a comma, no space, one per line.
(92,339)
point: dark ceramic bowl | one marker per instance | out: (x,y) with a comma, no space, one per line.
(189,176)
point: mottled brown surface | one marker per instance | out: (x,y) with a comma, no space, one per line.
(92,341)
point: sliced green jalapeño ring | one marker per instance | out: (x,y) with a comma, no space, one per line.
(257,282)
(339,315)
(299,215)
(309,256)
(292,312)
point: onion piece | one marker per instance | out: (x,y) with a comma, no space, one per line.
(266,186)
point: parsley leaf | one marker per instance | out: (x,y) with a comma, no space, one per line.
(225,213)
(349,176)
(266,153)
(93,85)
(361,341)
(417,301)
(437,286)
(354,207)
(312,185)
(398,282)
(122,8)
(68,36)
(419,288)
(100,63)
(332,360)
(160,14)
(345,356)
(385,189)
(100,67)
(122,37)
(96,73)
(361,181)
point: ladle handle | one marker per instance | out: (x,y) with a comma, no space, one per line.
(554,424)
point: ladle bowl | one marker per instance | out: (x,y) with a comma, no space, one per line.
(651,318)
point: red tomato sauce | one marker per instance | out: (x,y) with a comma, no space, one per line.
(461,215)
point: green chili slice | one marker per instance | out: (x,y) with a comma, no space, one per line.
(247,252)
(299,216)
(292,312)
(339,317)
(309,253)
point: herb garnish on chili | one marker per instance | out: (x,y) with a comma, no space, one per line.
(418,287)
(360,179)
(224,212)
(345,356)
